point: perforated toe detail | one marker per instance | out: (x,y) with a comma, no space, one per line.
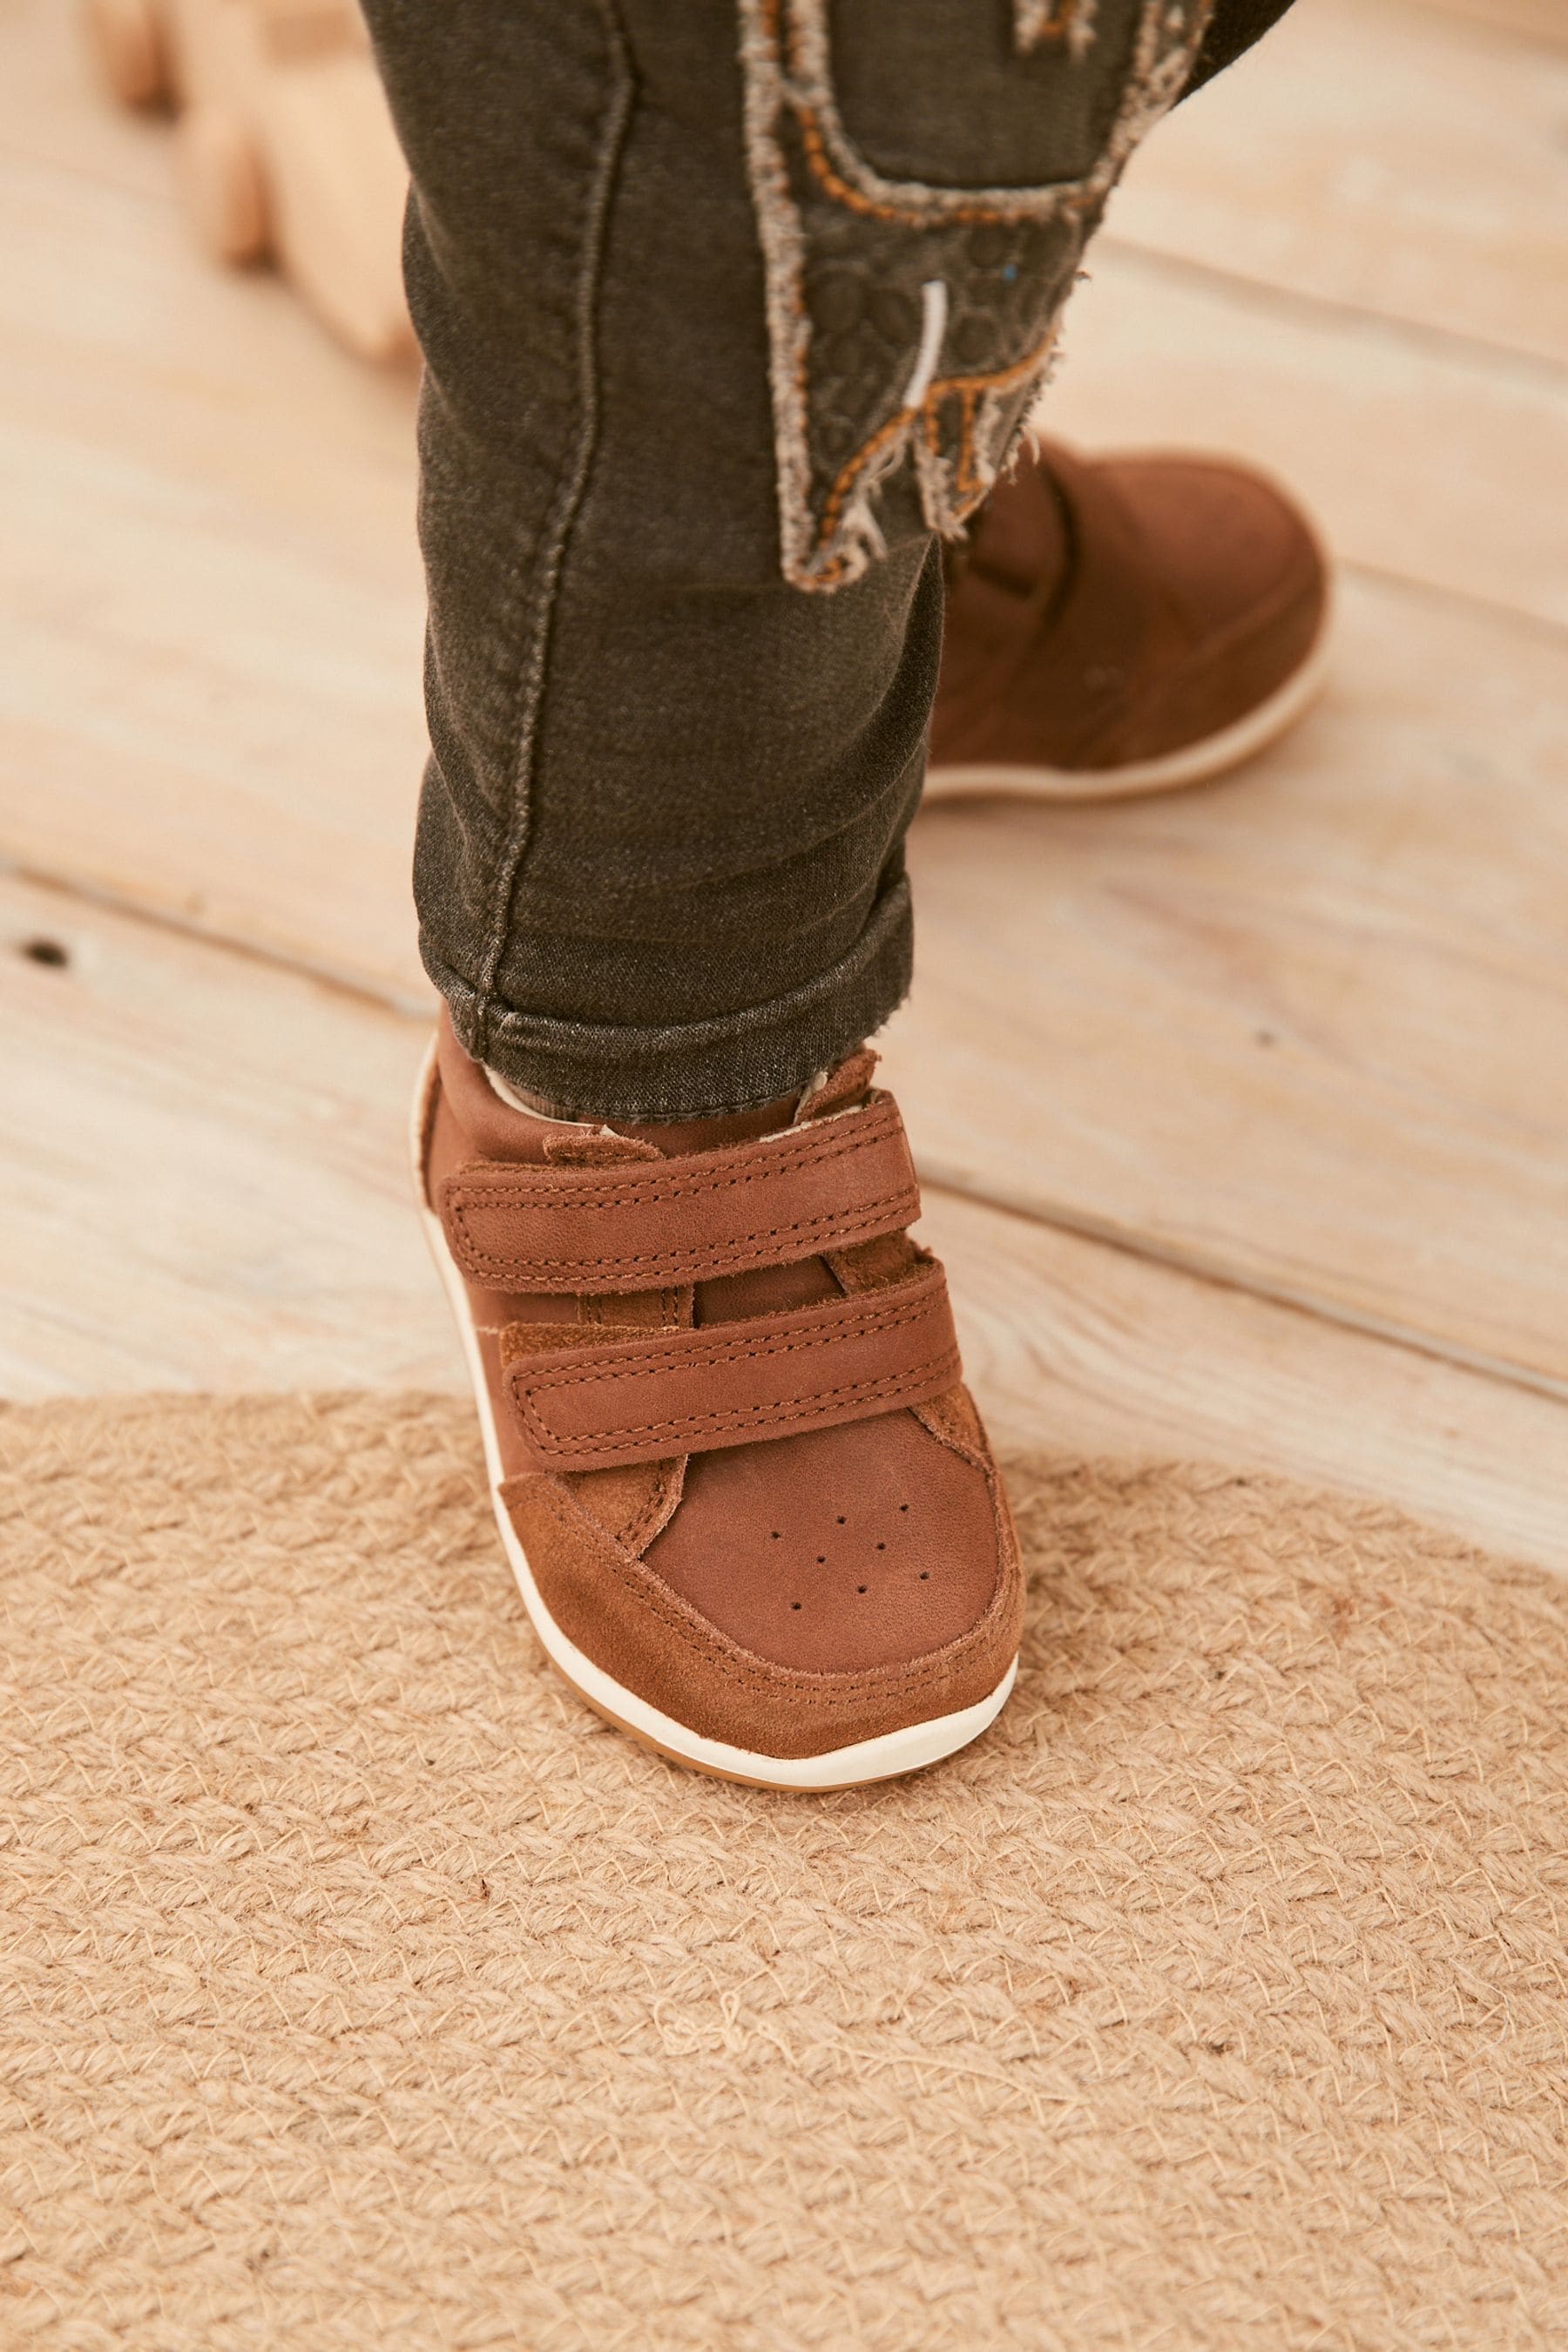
(837,1551)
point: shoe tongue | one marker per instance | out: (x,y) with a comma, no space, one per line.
(502,1129)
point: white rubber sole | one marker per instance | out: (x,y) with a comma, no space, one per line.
(886,1757)
(1196,763)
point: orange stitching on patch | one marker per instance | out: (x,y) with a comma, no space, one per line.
(853,201)
(968,389)
(882,1212)
(531,1384)
(1051,26)
(861,458)
(967,477)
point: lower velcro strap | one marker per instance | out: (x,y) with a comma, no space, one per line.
(592,1396)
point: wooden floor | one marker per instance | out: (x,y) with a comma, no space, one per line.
(1243,1117)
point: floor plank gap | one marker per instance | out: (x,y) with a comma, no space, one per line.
(76,888)
(1268,295)
(1060,1218)
(1459,600)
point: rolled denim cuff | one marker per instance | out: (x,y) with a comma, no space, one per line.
(694,1069)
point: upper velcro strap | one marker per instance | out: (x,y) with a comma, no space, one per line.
(592,1397)
(819,1187)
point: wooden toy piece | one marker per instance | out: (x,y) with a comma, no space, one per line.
(129,38)
(286,147)
(221,177)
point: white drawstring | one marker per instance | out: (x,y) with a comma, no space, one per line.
(934,296)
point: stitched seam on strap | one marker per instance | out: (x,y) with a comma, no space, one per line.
(479,1194)
(659,1356)
(886,1387)
(882,1212)
(676,1184)
(890,1387)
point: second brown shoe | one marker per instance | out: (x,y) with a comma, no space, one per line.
(746,1498)
(1129,625)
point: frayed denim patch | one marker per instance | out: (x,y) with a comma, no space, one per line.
(910,324)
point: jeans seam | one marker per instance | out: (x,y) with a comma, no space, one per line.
(567,494)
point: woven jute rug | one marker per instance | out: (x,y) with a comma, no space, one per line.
(360,1988)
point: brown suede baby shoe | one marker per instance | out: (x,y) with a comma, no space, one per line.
(1127,624)
(748,1501)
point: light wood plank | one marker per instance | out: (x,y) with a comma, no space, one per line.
(211,592)
(205,1175)
(1309,1027)
(1380,153)
(1471,496)
(201,1164)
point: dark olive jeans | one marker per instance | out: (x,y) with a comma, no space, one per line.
(730,311)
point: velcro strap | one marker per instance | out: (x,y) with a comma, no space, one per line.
(622,1396)
(823,1186)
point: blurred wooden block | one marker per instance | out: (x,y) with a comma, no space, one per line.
(285,145)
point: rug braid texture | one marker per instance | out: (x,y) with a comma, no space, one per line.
(359,1989)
